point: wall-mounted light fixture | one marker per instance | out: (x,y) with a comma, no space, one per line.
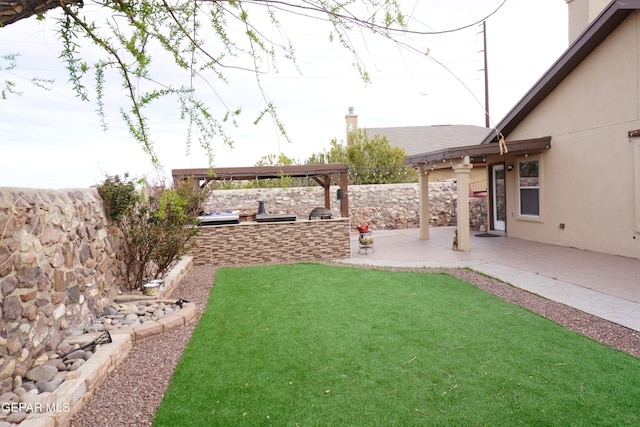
(509,168)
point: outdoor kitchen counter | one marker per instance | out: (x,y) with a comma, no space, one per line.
(253,242)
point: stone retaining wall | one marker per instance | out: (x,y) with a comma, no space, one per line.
(256,243)
(388,206)
(60,264)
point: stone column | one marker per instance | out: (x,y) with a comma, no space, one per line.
(423,210)
(462,171)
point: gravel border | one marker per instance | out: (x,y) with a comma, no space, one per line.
(132,393)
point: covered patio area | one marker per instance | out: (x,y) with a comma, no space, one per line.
(461,160)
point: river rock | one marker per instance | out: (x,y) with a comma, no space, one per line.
(28,386)
(76,365)
(16,417)
(109,311)
(9,397)
(48,386)
(131,316)
(42,373)
(96,327)
(8,369)
(78,354)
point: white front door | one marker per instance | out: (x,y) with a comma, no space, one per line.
(498,197)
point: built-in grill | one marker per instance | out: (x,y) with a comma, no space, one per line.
(262,216)
(320,213)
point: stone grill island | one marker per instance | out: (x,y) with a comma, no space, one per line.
(279,236)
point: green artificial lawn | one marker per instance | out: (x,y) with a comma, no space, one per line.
(316,345)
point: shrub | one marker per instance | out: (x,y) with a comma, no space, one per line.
(157,223)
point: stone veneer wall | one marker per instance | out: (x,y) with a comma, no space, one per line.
(384,206)
(60,264)
(257,243)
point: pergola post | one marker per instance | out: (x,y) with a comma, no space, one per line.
(344,202)
(327,191)
(462,171)
(424,213)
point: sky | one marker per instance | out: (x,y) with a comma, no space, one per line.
(52,139)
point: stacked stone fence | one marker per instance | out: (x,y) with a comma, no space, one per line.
(384,206)
(60,265)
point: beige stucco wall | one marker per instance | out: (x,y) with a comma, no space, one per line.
(588,174)
(582,13)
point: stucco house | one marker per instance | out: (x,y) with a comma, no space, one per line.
(569,172)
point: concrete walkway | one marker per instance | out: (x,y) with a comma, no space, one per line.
(604,285)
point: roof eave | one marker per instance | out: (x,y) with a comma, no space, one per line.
(478,152)
(608,20)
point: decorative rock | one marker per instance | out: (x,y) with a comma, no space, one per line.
(41,359)
(16,417)
(128,309)
(96,327)
(42,373)
(28,386)
(64,347)
(9,397)
(48,386)
(107,311)
(8,369)
(78,354)
(17,381)
(76,365)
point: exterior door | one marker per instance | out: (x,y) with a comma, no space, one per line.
(498,198)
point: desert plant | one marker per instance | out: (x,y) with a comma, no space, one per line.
(157,223)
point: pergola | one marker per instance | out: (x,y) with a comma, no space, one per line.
(322,174)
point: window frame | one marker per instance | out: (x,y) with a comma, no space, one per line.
(524,216)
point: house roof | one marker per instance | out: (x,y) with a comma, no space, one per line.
(476,152)
(420,139)
(601,27)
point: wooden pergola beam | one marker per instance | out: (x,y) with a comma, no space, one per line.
(322,174)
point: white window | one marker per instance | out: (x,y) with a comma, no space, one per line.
(529,187)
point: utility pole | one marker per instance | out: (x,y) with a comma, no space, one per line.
(486,76)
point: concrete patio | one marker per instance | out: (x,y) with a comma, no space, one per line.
(607,286)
